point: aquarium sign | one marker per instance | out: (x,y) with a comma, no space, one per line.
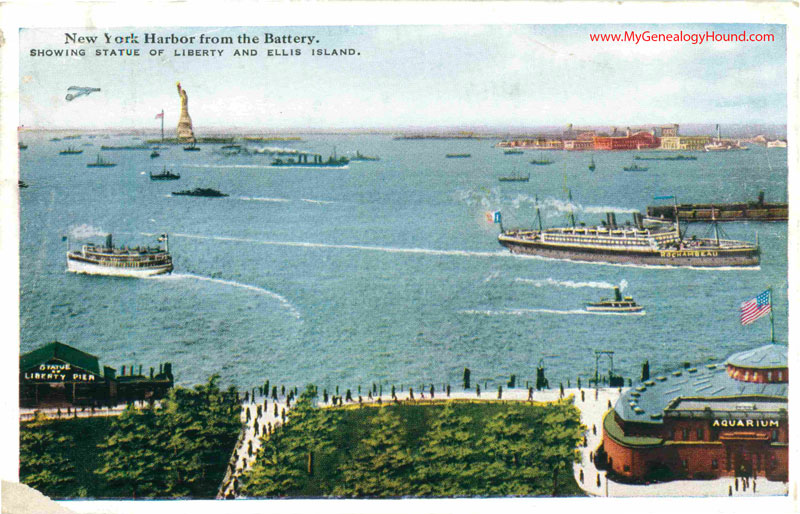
(746,423)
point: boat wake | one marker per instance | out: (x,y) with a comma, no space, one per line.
(569,283)
(253,166)
(525,312)
(85,231)
(388,249)
(256,199)
(308,200)
(260,290)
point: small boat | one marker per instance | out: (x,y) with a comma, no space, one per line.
(165,175)
(70,151)
(22,146)
(458,155)
(618,304)
(200,191)
(776,144)
(154,154)
(513,152)
(542,162)
(592,166)
(515,178)
(191,148)
(361,157)
(231,147)
(55,139)
(634,167)
(21,184)
(101,163)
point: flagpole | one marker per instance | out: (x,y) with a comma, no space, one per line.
(162,125)
(771,318)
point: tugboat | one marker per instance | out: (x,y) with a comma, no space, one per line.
(618,304)
(109,260)
(165,175)
(515,178)
(154,154)
(361,157)
(70,151)
(592,165)
(101,163)
(200,191)
(634,167)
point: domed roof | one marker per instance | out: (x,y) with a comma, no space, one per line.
(763,357)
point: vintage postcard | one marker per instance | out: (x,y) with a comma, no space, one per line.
(486,260)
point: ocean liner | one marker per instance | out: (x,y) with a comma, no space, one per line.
(147,261)
(647,241)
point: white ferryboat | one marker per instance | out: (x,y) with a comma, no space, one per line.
(108,260)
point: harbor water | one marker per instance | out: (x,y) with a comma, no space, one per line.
(385,271)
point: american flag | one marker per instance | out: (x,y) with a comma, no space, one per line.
(755,308)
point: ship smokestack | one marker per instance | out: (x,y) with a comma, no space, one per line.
(612,220)
(637,220)
(617,294)
(108,241)
(761,198)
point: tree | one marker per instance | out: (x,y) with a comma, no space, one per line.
(445,460)
(132,465)
(561,433)
(274,473)
(380,464)
(466,378)
(43,465)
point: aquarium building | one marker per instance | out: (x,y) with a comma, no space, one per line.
(58,375)
(723,419)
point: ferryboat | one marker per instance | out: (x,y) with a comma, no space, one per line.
(70,151)
(515,178)
(648,241)
(361,157)
(618,304)
(101,163)
(200,191)
(458,155)
(165,175)
(109,260)
(634,167)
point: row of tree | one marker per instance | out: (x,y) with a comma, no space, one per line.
(453,449)
(177,449)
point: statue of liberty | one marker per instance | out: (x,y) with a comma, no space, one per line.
(185,132)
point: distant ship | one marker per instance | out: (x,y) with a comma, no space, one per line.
(21,184)
(515,178)
(361,157)
(458,155)
(592,165)
(667,158)
(154,154)
(648,242)
(618,304)
(542,162)
(191,148)
(165,175)
(101,163)
(22,146)
(776,144)
(200,191)
(742,211)
(513,152)
(125,147)
(634,167)
(70,151)
(145,261)
(317,162)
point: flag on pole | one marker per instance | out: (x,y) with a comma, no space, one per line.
(756,307)
(160,115)
(494,217)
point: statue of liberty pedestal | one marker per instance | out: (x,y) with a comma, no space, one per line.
(185,132)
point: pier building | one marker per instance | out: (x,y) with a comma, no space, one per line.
(630,141)
(684,142)
(704,422)
(58,375)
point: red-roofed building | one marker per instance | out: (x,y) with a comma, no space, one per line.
(630,142)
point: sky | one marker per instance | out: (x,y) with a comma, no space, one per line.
(469,76)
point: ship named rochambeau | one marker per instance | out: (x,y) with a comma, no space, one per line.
(648,241)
